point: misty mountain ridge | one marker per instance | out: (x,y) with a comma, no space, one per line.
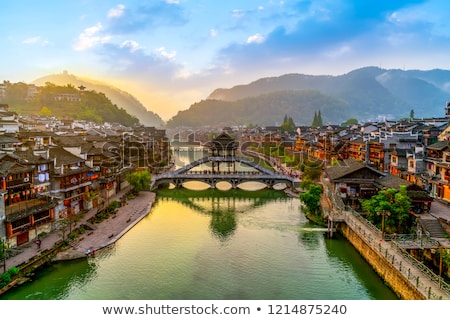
(368,94)
(118,97)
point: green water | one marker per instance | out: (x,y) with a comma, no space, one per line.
(216,245)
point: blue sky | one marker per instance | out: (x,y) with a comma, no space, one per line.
(173,53)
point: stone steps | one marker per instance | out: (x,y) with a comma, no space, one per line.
(434,227)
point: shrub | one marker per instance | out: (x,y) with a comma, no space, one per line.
(113,205)
(13,271)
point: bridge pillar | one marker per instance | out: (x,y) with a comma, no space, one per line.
(330,227)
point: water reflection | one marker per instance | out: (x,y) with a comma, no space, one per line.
(62,279)
(223,225)
(349,260)
(214,245)
(221,205)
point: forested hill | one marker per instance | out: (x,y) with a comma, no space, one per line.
(66,102)
(266,109)
(118,97)
(366,94)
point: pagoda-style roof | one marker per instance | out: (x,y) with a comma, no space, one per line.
(223,141)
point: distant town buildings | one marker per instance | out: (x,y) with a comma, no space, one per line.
(51,169)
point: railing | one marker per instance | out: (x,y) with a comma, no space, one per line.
(412,240)
(415,271)
(392,249)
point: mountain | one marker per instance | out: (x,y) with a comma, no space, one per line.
(118,97)
(368,93)
(266,109)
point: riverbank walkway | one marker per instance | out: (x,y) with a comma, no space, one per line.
(430,285)
(103,234)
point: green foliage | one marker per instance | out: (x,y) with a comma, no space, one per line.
(398,206)
(91,106)
(113,205)
(139,180)
(311,170)
(311,199)
(264,109)
(349,122)
(317,120)
(13,271)
(5,279)
(81,230)
(288,124)
(45,112)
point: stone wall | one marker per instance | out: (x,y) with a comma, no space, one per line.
(396,281)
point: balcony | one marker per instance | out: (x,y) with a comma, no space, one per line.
(26,208)
(18,182)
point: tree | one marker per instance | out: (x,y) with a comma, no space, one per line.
(398,206)
(311,199)
(139,180)
(319,119)
(288,124)
(45,112)
(314,122)
(349,122)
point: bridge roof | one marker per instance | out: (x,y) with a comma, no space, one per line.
(222,141)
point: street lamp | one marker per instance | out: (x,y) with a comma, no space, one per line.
(383,213)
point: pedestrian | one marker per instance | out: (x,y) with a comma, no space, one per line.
(38,243)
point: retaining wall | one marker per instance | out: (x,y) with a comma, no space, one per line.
(396,280)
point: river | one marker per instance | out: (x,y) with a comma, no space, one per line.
(220,245)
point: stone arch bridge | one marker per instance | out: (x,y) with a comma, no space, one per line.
(235,178)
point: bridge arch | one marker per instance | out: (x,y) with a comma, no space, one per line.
(180,176)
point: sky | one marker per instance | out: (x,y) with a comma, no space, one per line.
(171,54)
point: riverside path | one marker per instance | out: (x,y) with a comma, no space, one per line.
(430,285)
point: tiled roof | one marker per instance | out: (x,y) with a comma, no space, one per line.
(440,145)
(63,157)
(390,181)
(344,168)
(7,167)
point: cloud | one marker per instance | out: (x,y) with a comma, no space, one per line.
(35,40)
(131,45)
(147,17)
(237,13)
(117,11)
(90,37)
(162,51)
(213,33)
(256,38)
(321,30)
(32,40)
